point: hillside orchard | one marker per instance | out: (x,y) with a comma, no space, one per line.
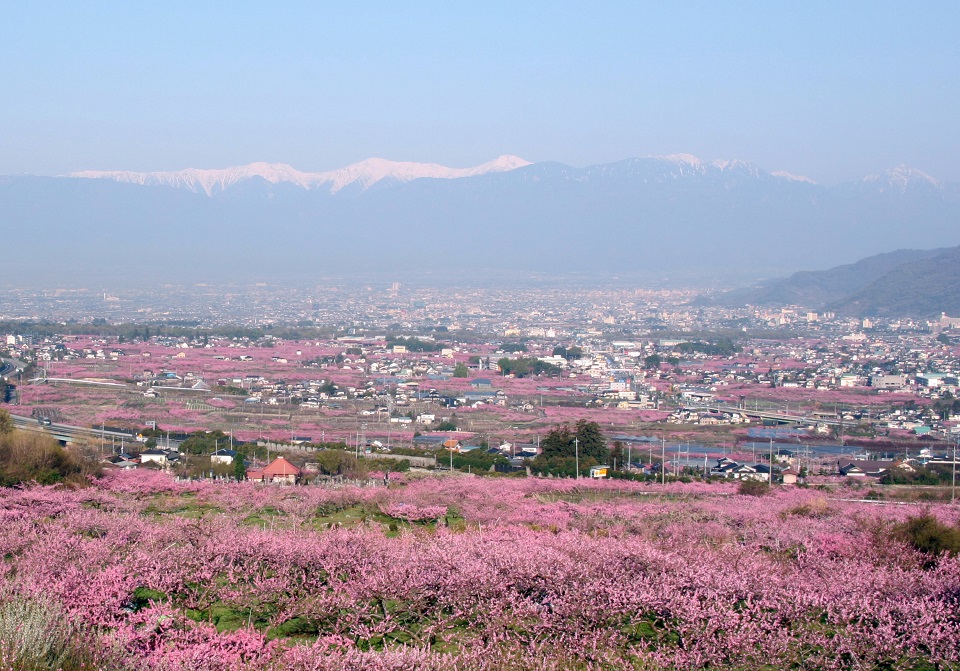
(138,571)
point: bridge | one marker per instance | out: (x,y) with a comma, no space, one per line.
(92,383)
(769,415)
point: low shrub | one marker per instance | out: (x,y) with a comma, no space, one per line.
(26,456)
(38,636)
(753,488)
(930,536)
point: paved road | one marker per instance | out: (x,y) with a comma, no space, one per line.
(765,414)
(66,431)
(10,367)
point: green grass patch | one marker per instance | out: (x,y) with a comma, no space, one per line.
(141,597)
(190,508)
(227,617)
(295,627)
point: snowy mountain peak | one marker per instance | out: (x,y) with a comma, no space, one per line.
(783,174)
(365,173)
(902,178)
(680,159)
(372,170)
(503,163)
(736,165)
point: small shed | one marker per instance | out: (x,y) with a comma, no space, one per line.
(598,472)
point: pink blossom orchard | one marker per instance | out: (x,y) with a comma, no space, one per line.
(474,573)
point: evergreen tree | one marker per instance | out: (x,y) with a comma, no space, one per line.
(565,442)
(617,455)
(239,468)
(591,441)
(558,443)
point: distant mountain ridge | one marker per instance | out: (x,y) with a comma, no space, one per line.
(661,217)
(371,171)
(816,288)
(366,173)
(906,282)
(902,178)
(923,288)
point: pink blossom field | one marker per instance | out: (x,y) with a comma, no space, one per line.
(475,573)
(532,405)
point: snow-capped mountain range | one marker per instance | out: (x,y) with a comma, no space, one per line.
(669,214)
(365,174)
(652,169)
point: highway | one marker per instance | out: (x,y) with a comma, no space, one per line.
(10,368)
(66,433)
(766,414)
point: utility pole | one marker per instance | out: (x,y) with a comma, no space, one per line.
(841,426)
(663,460)
(576,455)
(953,484)
(771,461)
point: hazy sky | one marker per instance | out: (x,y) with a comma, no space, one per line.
(832,90)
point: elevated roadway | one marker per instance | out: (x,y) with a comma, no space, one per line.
(11,368)
(67,433)
(768,415)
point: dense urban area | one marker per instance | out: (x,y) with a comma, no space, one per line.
(483,376)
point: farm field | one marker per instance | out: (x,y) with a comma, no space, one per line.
(326,391)
(93,392)
(139,571)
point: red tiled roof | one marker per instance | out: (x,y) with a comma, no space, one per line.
(280,467)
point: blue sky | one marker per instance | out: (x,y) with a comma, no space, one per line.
(833,90)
